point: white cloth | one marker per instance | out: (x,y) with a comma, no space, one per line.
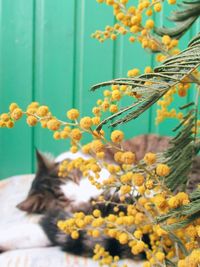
(12,191)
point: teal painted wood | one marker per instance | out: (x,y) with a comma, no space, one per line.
(47,55)
(16,23)
(54,65)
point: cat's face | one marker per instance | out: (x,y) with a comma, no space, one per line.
(45,193)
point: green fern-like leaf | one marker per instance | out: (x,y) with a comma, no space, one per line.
(191,211)
(154,85)
(187,13)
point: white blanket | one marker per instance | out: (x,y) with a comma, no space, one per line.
(13,191)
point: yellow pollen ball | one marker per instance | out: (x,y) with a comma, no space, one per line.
(5,117)
(123,238)
(73,114)
(150,158)
(166,40)
(162,170)
(31,120)
(160,256)
(172,2)
(13,106)
(56,135)
(128,157)
(97,146)
(42,111)
(113,108)
(138,179)
(157,7)
(76,134)
(149,12)
(116,95)
(133,72)
(149,24)
(117,136)
(16,114)
(97,213)
(9,124)
(86,123)
(74,235)
(53,124)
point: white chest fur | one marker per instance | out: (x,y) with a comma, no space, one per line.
(85,190)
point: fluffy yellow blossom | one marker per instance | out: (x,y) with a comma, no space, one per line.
(42,111)
(9,124)
(180,199)
(162,170)
(125,189)
(113,108)
(160,201)
(138,179)
(12,107)
(116,95)
(166,40)
(123,238)
(160,256)
(158,7)
(86,123)
(150,158)
(149,12)
(149,24)
(5,117)
(53,124)
(172,2)
(138,234)
(117,136)
(97,146)
(74,149)
(96,120)
(128,157)
(133,73)
(31,120)
(138,248)
(56,135)
(76,134)
(73,114)
(96,111)
(118,156)
(16,114)
(74,235)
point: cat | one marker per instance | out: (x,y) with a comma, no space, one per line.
(52,198)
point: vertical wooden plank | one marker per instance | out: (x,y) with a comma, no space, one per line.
(54,64)
(93,59)
(15,82)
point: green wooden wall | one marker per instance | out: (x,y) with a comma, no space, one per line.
(47,55)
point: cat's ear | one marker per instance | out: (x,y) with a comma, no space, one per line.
(31,204)
(44,164)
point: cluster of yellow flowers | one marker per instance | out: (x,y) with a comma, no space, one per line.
(135,21)
(192,260)
(131,20)
(182,91)
(137,219)
(141,181)
(151,199)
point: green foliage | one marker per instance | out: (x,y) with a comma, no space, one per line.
(184,18)
(153,86)
(180,155)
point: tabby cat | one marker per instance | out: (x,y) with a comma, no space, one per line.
(56,198)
